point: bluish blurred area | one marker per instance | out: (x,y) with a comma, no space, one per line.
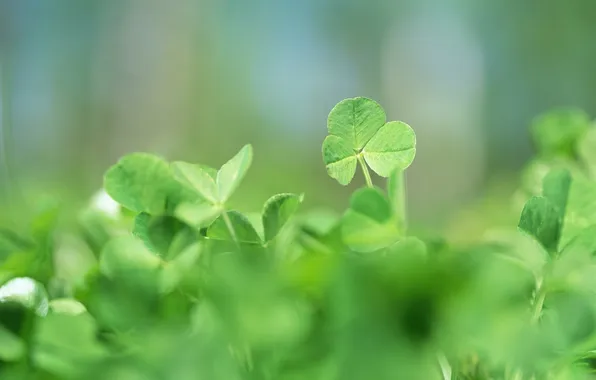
(84,82)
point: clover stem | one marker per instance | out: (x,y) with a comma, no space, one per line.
(398,185)
(365,171)
(228,222)
(538,303)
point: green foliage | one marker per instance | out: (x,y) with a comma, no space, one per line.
(172,283)
(357,133)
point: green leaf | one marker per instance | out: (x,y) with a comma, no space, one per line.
(182,265)
(67,306)
(368,225)
(200,178)
(587,151)
(556,132)
(581,209)
(27,292)
(393,147)
(278,209)
(244,230)
(340,159)
(12,347)
(127,256)
(358,132)
(356,120)
(10,242)
(232,172)
(540,218)
(157,232)
(556,187)
(66,345)
(140,182)
(198,215)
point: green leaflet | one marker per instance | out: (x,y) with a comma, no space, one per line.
(357,129)
(581,209)
(12,346)
(556,132)
(232,172)
(126,256)
(392,147)
(215,187)
(198,215)
(200,178)
(66,344)
(276,212)
(540,218)
(143,182)
(243,229)
(339,159)
(587,151)
(556,187)
(356,121)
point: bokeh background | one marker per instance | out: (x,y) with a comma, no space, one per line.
(84,82)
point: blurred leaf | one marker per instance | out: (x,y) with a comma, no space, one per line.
(557,132)
(66,344)
(12,347)
(392,148)
(540,218)
(140,182)
(10,242)
(556,187)
(276,212)
(581,209)
(158,232)
(368,226)
(587,151)
(127,257)
(67,306)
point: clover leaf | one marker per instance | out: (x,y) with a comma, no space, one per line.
(540,218)
(214,186)
(358,133)
(143,182)
(557,132)
(278,209)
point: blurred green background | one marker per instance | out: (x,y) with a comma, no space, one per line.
(84,82)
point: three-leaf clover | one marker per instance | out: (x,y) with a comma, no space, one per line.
(213,186)
(359,133)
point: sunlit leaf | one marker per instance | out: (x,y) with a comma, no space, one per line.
(392,147)
(355,121)
(200,178)
(232,172)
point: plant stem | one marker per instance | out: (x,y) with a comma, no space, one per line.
(365,171)
(397,189)
(228,222)
(540,297)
